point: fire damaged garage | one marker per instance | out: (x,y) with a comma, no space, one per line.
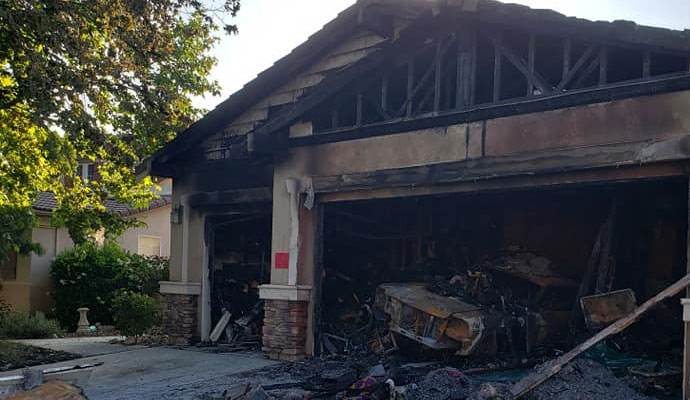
(503,274)
(460,188)
(239,263)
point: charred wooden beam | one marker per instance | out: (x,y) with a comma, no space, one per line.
(531,55)
(567,54)
(464,71)
(473,73)
(423,102)
(577,67)
(383,113)
(411,93)
(256,195)
(572,98)
(427,98)
(544,162)
(334,119)
(533,78)
(498,58)
(551,368)
(603,65)
(410,87)
(448,89)
(646,64)
(629,174)
(580,82)
(384,94)
(438,57)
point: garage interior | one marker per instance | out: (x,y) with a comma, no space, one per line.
(240,249)
(520,254)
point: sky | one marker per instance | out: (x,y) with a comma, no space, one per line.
(270,29)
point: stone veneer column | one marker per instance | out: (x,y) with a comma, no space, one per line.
(285,329)
(285,321)
(180,311)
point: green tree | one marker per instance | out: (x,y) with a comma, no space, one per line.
(105,80)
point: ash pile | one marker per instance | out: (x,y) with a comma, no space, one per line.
(392,378)
(346,380)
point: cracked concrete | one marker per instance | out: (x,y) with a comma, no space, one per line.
(139,372)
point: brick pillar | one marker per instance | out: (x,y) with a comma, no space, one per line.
(179,317)
(285,329)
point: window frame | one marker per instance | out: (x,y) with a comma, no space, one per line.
(160,241)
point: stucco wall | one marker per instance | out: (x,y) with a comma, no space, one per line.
(192,234)
(29,292)
(157,225)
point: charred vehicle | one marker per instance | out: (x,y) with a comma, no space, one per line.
(512,303)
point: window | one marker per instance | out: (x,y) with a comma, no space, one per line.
(149,246)
(86,171)
(8,269)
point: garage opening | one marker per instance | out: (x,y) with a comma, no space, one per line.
(499,275)
(239,262)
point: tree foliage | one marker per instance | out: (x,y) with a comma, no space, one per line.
(103,80)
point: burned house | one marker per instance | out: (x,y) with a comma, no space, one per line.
(467,170)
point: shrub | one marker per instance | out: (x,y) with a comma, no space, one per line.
(90,276)
(4,307)
(21,325)
(134,313)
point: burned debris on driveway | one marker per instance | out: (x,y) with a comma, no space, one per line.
(439,323)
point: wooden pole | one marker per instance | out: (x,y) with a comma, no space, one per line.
(384,94)
(646,64)
(438,58)
(553,367)
(498,57)
(567,45)
(410,86)
(530,64)
(603,65)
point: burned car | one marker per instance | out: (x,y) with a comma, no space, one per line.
(511,303)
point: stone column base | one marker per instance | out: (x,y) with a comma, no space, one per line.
(285,329)
(179,317)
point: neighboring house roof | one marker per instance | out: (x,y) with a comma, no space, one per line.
(350,20)
(46,202)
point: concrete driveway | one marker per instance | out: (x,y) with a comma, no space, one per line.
(139,372)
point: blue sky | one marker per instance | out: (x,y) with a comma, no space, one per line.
(269,29)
